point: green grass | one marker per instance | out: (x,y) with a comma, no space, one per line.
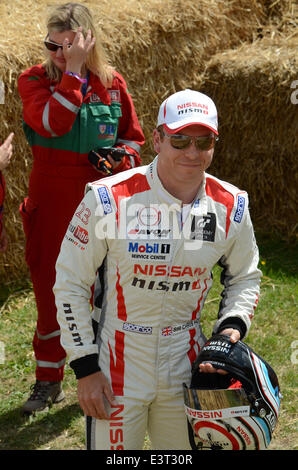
(274,329)
(273,332)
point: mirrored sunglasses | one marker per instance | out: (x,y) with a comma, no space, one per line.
(180,141)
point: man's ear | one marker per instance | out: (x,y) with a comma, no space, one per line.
(156,140)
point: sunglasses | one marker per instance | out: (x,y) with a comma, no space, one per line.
(53,46)
(180,142)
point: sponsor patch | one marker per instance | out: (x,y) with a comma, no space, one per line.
(115,96)
(173,330)
(147,224)
(106,131)
(144,330)
(78,232)
(218,414)
(215,345)
(94,98)
(149,216)
(203,227)
(149,233)
(81,234)
(240,209)
(105,200)
(149,250)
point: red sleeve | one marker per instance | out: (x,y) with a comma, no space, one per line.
(50,109)
(130,134)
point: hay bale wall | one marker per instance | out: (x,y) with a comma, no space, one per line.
(259,131)
(235,51)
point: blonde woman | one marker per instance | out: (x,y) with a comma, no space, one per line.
(73,103)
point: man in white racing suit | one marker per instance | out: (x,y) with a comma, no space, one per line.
(156,232)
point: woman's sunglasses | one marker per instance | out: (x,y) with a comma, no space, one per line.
(180,142)
(53,46)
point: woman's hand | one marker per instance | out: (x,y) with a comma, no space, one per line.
(6,152)
(76,54)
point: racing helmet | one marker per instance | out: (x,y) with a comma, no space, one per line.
(236,411)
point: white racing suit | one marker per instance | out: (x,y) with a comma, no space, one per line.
(155,273)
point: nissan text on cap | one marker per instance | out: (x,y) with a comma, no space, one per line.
(185,108)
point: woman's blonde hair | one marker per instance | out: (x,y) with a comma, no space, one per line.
(69,17)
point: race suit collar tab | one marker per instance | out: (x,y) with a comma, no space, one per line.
(199,206)
(162,194)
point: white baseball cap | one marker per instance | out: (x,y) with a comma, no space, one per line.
(185,108)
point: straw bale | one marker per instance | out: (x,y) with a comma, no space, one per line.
(259,139)
(160,46)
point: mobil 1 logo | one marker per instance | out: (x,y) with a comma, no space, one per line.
(154,251)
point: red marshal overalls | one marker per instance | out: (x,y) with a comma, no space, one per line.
(62,125)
